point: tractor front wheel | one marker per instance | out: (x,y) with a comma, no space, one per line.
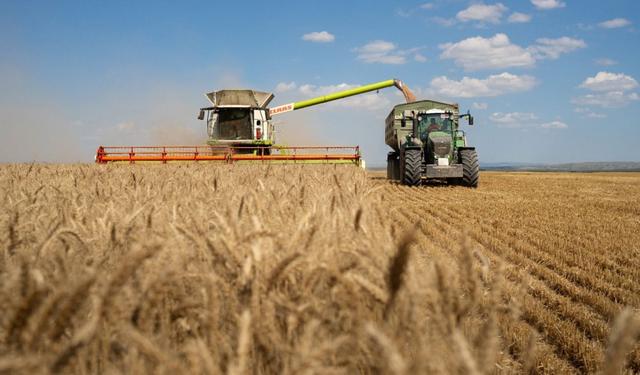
(470,168)
(412,167)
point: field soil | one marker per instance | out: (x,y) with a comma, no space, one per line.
(211,269)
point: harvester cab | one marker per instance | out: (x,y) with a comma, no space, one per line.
(238,118)
(428,144)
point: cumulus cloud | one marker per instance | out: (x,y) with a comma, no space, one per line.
(285,86)
(384,52)
(548,4)
(554,125)
(517,17)
(546,48)
(487,53)
(419,58)
(319,37)
(493,85)
(523,120)
(612,99)
(498,52)
(513,119)
(610,90)
(380,51)
(615,23)
(482,13)
(606,81)
(589,113)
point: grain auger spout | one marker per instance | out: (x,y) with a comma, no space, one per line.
(240,129)
(408,96)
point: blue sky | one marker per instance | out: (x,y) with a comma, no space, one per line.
(547,80)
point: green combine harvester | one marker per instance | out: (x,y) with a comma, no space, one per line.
(428,145)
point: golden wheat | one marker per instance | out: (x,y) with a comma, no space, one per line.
(314,269)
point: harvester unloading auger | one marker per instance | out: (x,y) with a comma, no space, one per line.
(240,128)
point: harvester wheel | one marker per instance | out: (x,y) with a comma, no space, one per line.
(412,167)
(470,168)
(393,166)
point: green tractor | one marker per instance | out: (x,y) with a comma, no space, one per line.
(427,145)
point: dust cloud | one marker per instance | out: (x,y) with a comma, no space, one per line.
(32,125)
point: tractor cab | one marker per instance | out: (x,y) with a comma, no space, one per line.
(432,122)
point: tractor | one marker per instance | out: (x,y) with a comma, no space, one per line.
(428,145)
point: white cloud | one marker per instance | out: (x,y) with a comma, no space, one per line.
(605,62)
(589,113)
(384,52)
(480,106)
(487,53)
(552,48)
(606,81)
(610,91)
(523,120)
(370,101)
(548,4)
(498,52)
(612,99)
(482,13)
(285,86)
(494,85)
(615,23)
(380,51)
(554,125)
(513,119)
(517,17)
(427,6)
(319,37)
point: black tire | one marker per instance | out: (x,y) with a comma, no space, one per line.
(412,167)
(470,168)
(392,166)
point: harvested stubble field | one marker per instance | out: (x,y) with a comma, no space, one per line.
(303,269)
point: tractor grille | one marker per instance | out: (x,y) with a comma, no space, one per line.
(441,146)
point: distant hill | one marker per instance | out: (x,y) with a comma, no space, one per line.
(596,166)
(599,166)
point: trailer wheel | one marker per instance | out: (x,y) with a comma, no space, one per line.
(393,166)
(470,168)
(412,167)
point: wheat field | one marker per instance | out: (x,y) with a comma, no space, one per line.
(212,269)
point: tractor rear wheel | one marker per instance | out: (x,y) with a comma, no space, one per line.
(470,168)
(412,167)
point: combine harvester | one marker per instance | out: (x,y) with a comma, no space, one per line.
(240,129)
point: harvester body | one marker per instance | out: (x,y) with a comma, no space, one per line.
(428,144)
